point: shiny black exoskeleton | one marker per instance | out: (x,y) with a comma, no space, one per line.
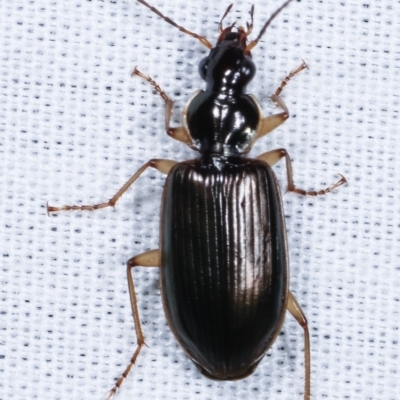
(223,119)
(224,273)
(223,255)
(224,267)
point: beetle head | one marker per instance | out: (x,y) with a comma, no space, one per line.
(228,67)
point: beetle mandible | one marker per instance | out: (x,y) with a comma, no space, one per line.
(223,254)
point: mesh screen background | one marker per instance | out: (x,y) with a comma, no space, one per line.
(74,126)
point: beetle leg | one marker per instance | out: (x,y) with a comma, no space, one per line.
(289,77)
(272,157)
(163,166)
(147,259)
(178,133)
(271,122)
(295,309)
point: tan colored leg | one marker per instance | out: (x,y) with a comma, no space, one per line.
(272,157)
(163,166)
(271,122)
(178,133)
(147,259)
(295,309)
(289,77)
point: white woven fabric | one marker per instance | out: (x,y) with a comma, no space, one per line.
(74,126)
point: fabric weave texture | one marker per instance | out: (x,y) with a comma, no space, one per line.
(74,126)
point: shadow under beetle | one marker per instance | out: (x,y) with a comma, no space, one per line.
(223,254)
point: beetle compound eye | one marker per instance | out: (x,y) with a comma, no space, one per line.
(203,68)
(247,71)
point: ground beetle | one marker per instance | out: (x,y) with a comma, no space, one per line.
(223,253)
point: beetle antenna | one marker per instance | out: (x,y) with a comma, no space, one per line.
(220,27)
(250,26)
(264,28)
(202,39)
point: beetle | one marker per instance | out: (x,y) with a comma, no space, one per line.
(223,257)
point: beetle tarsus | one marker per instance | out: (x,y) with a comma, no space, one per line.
(124,375)
(152,82)
(322,192)
(93,207)
(289,77)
